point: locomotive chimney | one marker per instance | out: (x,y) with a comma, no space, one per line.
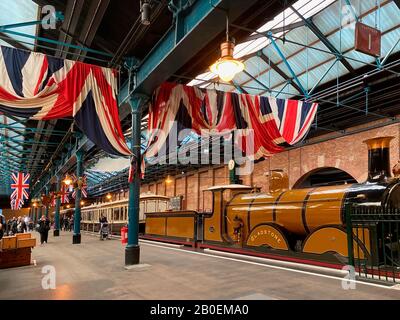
(378,158)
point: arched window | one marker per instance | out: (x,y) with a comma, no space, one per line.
(326,176)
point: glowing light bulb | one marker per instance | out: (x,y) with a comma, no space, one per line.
(227,66)
(226,69)
(168,180)
(67,180)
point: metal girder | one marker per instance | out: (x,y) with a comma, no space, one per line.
(202,22)
(18,133)
(38,137)
(56,42)
(12,41)
(256,80)
(66,162)
(32,130)
(13,154)
(28,142)
(72,13)
(21,121)
(92,176)
(279,71)
(286,62)
(94,17)
(238,87)
(58,17)
(289,27)
(322,77)
(137,32)
(311,25)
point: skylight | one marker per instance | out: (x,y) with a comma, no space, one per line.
(287,17)
(18,11)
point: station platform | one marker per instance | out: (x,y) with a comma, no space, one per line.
(95,270)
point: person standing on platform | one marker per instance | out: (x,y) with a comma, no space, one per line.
(26,223)
(44,227)
(71,223)
(30,225)
(20,225)
(9,227)
(14,226)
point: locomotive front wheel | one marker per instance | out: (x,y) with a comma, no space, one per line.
(333,239)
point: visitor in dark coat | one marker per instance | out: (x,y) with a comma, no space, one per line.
(14,226)
(44,227)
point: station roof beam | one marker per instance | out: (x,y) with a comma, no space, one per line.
(310,24)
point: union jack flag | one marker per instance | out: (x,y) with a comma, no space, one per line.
(53,200)
(270,122)
(132,169)
(20,186)
(64,194)
(41,87)
(16,204)
(83,188)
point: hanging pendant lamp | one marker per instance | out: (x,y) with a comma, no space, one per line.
(227,66)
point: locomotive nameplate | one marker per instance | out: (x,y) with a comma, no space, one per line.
(267,235)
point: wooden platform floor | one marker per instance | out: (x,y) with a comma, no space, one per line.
(94,270)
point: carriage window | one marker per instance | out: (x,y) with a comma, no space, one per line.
(142,207)
(116,214)
(151,206)
(162,205)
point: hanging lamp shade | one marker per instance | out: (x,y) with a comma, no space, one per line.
(227,66)
(67,180)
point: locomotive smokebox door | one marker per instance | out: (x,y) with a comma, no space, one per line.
(367,40)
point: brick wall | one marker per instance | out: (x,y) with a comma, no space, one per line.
(8,213)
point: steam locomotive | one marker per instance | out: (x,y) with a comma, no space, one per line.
(296,224)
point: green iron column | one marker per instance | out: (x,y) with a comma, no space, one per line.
(76,238)
(56,232)
(46,209)
(132,250)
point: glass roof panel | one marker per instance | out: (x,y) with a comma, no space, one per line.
(12,11)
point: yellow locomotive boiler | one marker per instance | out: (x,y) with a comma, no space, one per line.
(307,223)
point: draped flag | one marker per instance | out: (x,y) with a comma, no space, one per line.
(20,189)
(83,187)
(132,170)
(16,204)
(276,123)
(64,194)
(41,87)
(53,200)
